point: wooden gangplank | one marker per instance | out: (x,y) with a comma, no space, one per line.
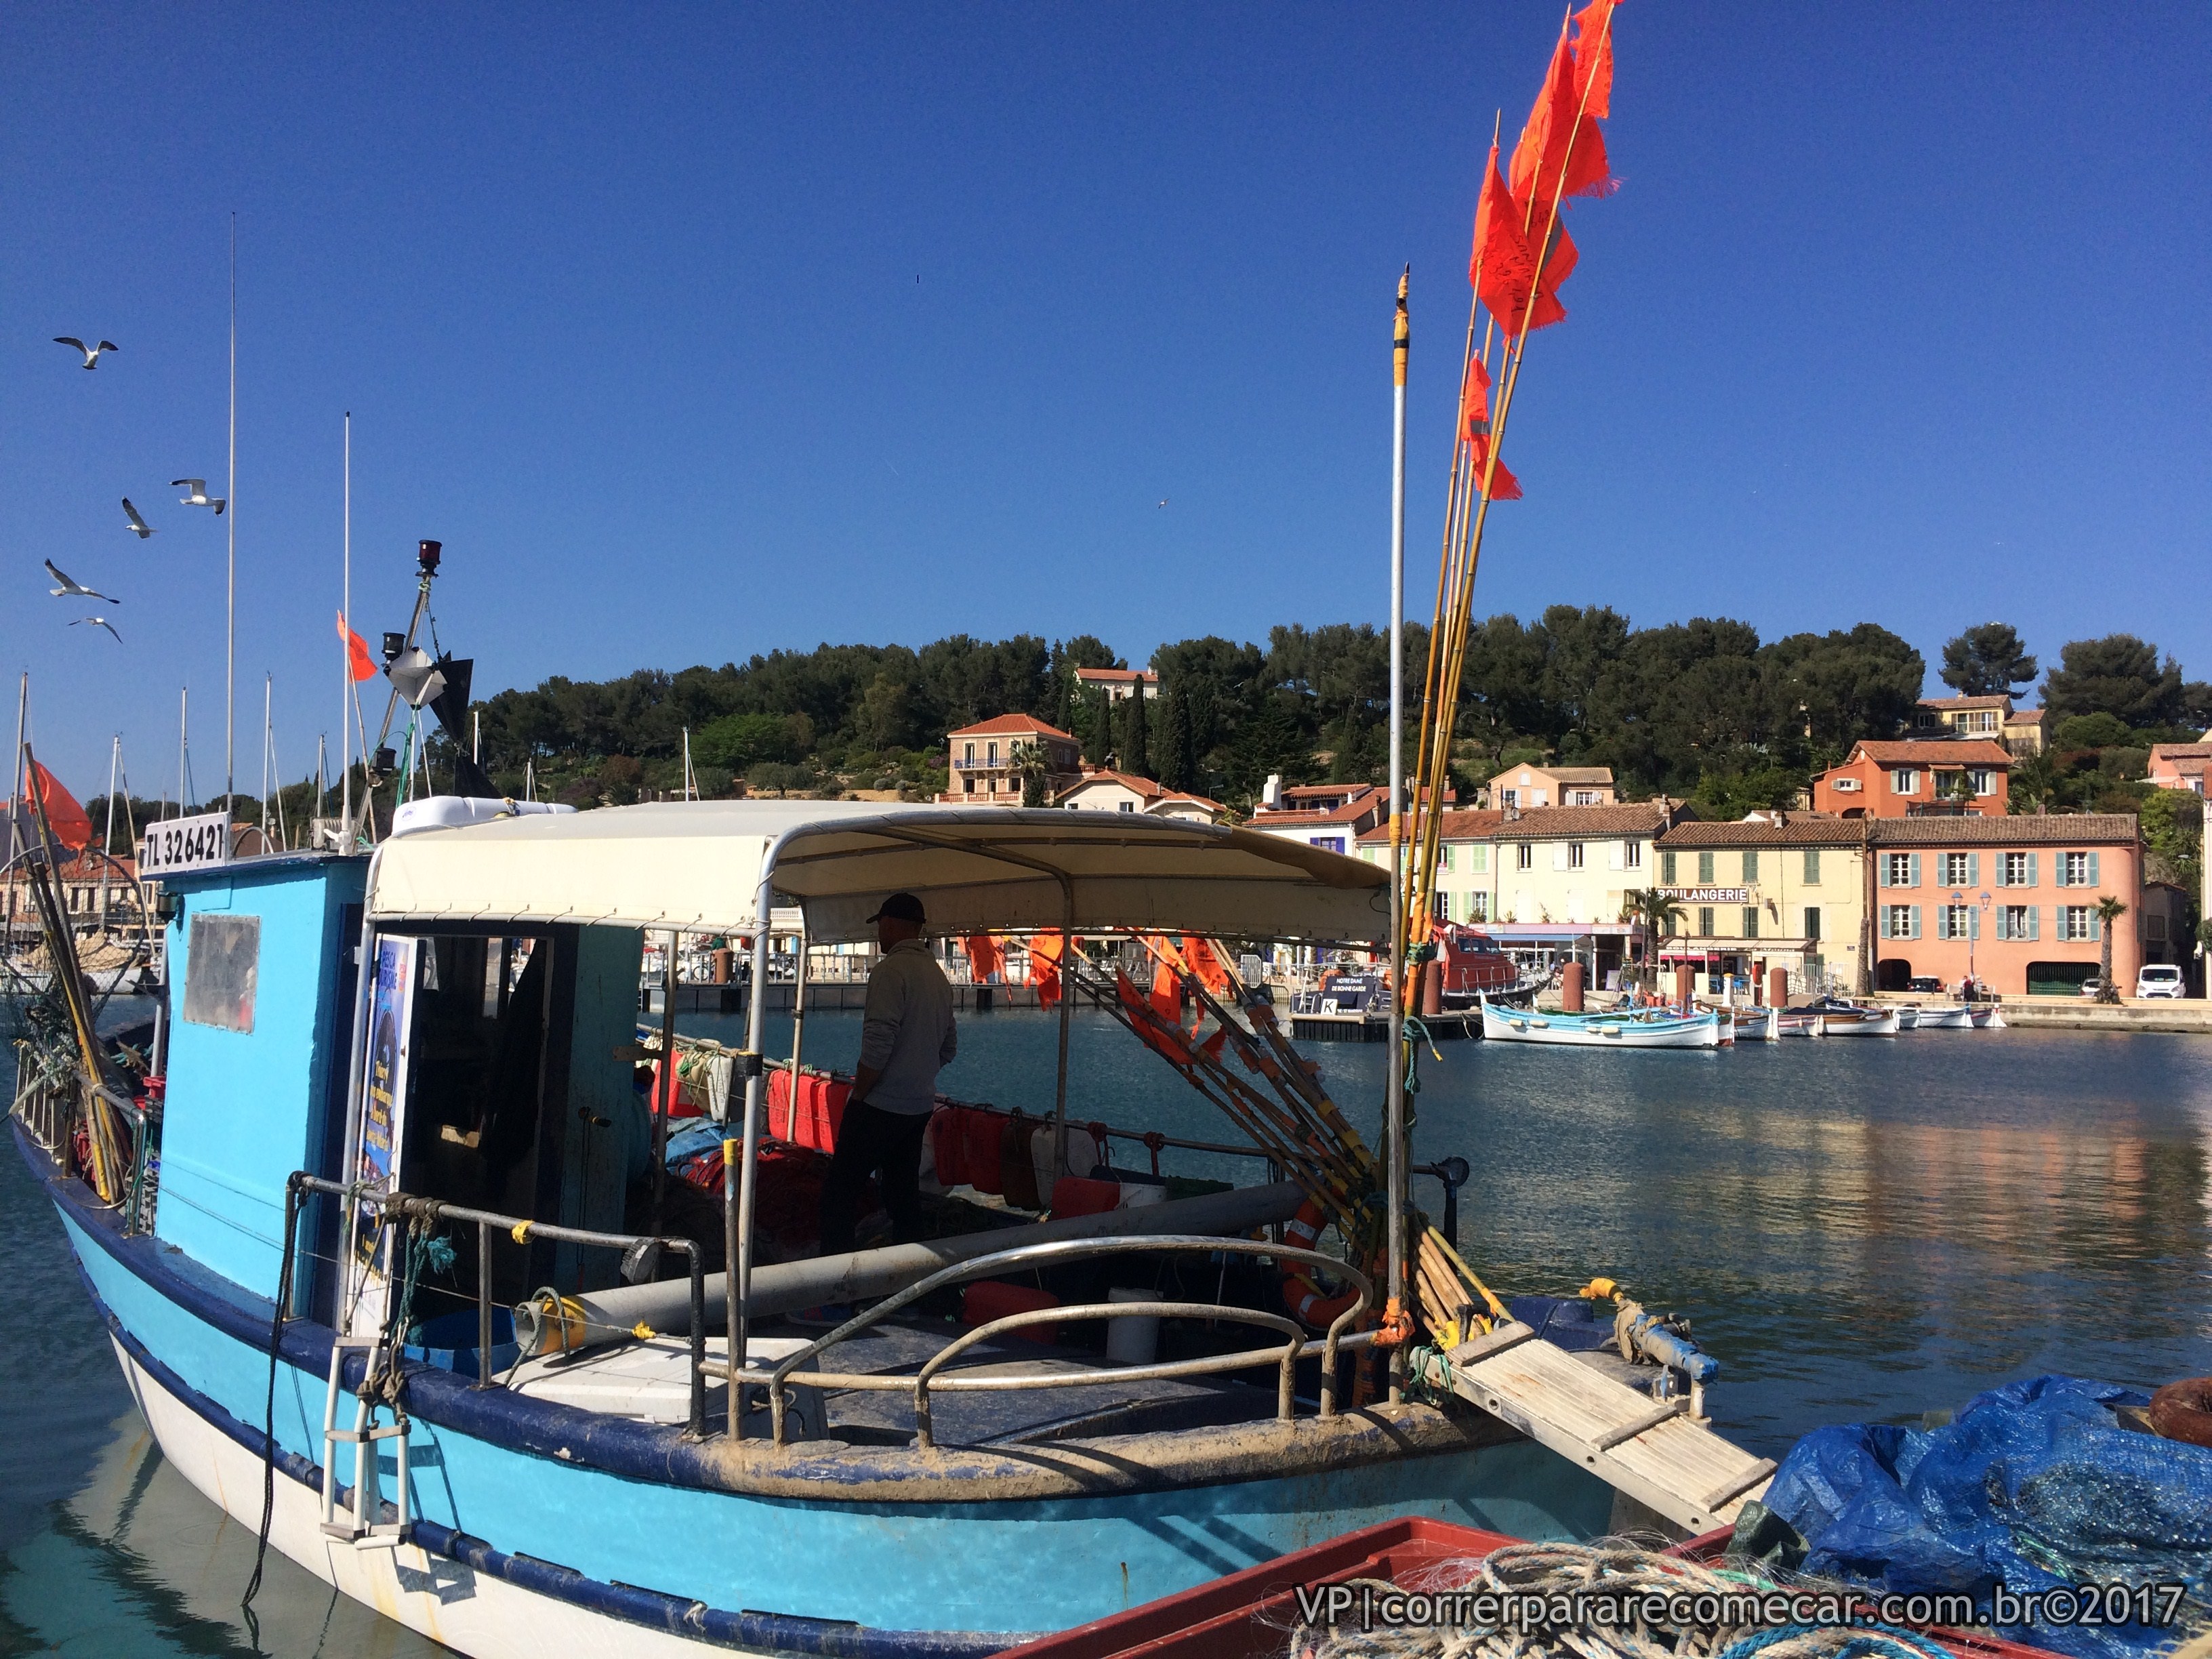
(1650,1450)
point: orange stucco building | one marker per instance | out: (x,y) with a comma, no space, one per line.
(1879,780)
(2011,900)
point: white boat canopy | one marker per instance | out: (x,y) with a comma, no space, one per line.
(699,865)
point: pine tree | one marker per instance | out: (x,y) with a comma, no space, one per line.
(1134,759)
(1178,764)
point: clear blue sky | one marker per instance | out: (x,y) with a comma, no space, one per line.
(695,331)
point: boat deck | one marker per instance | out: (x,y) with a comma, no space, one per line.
(650,1381)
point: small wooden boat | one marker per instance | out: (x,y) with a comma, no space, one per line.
(1908,1017)
(1796,1022)
(1858,1022)
(1643,1029)
(1987,1017)
(1945,1018)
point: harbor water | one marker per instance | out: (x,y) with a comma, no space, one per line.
(1860,1230)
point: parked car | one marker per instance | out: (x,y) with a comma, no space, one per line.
(2160,980)
(2092,986)
(1924,982)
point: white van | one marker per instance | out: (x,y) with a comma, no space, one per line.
(2160,980)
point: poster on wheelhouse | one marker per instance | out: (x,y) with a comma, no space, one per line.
(384,1110)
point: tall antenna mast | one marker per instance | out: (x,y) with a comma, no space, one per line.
(230,626)
(107,836)
(345,649)
(183,695)
(268,686)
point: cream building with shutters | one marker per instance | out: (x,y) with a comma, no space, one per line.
(1777,890)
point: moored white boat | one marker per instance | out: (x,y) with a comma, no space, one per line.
(1987,1017)
(1945,1018)
(1649,1028)
(1858,1022)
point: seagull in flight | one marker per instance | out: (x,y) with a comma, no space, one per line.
(91,352)
(137,523)
(70,588)
(100,621)
(199,495)
(1163,501)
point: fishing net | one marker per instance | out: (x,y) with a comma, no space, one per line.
(1611,1600)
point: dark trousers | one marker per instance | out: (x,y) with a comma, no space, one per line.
(887,1145)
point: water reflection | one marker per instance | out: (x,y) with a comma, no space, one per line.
(1859,1229)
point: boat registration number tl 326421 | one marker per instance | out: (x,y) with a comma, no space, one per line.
(185,844)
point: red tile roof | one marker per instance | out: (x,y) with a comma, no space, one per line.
(1117,675)
(1013,724)
(1933,751)
(2018,829)
(1475,824)
(1997,701)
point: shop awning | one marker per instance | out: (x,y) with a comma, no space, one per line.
(697,865)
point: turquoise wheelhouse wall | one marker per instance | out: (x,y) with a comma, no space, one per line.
(244,1109)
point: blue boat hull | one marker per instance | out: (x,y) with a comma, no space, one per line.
(541,1524)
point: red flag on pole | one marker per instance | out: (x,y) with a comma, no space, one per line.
(359,663)
(72,825)
(1560,141)
(1594,59)
(1501,268)
(1504,486)
(1474,401)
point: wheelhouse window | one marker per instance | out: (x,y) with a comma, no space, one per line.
(222,971)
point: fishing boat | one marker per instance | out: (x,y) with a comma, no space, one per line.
(1937,1017)
(1640,1029)
(1988,1017)
(1857,1022)
(370,1257)
(1908,1017)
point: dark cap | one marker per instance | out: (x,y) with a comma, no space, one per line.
(901,907)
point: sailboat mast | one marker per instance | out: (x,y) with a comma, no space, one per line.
(230,509)
(1395,1088)
(184,696)
(107,834)
(345,651)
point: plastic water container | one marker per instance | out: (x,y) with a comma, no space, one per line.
(1134,1340)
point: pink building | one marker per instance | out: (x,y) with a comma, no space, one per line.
(2012,901)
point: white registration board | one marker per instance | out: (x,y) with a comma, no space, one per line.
(184,844)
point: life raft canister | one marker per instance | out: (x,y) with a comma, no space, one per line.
(1300,1295)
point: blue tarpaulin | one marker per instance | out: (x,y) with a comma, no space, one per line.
(2034,1486)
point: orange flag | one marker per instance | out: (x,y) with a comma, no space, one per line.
(1475,402)
(1594,59)
(359,663)
(1504,486)
(1045,952)
(72,825)
(1561,142)
(1501,268)
(1206,961)
(986,957)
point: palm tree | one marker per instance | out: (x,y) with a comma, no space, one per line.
(1657,913)
(1034,767)
(2109,910)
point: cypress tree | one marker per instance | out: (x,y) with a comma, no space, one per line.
(1135,757)
(1177,766)
(1098,728)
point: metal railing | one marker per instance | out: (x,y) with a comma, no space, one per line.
(640,1255)
(50,1104)
(1285,1357)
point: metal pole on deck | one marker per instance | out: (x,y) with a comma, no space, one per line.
(738,1279)
(1395,1088)
(663,1101)
(797,1015)
(1067,1012)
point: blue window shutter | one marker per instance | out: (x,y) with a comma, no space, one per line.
(1973,869)
(2096,925)
(2031,875)
(1914,881)
(1915,916)
(2034,921)
(2093,869)
(1974,921)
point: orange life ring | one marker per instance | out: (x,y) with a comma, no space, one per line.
(1300,1295)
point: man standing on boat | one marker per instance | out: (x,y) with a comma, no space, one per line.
(906,1037)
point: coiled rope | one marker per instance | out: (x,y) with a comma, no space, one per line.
(1609,1569)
